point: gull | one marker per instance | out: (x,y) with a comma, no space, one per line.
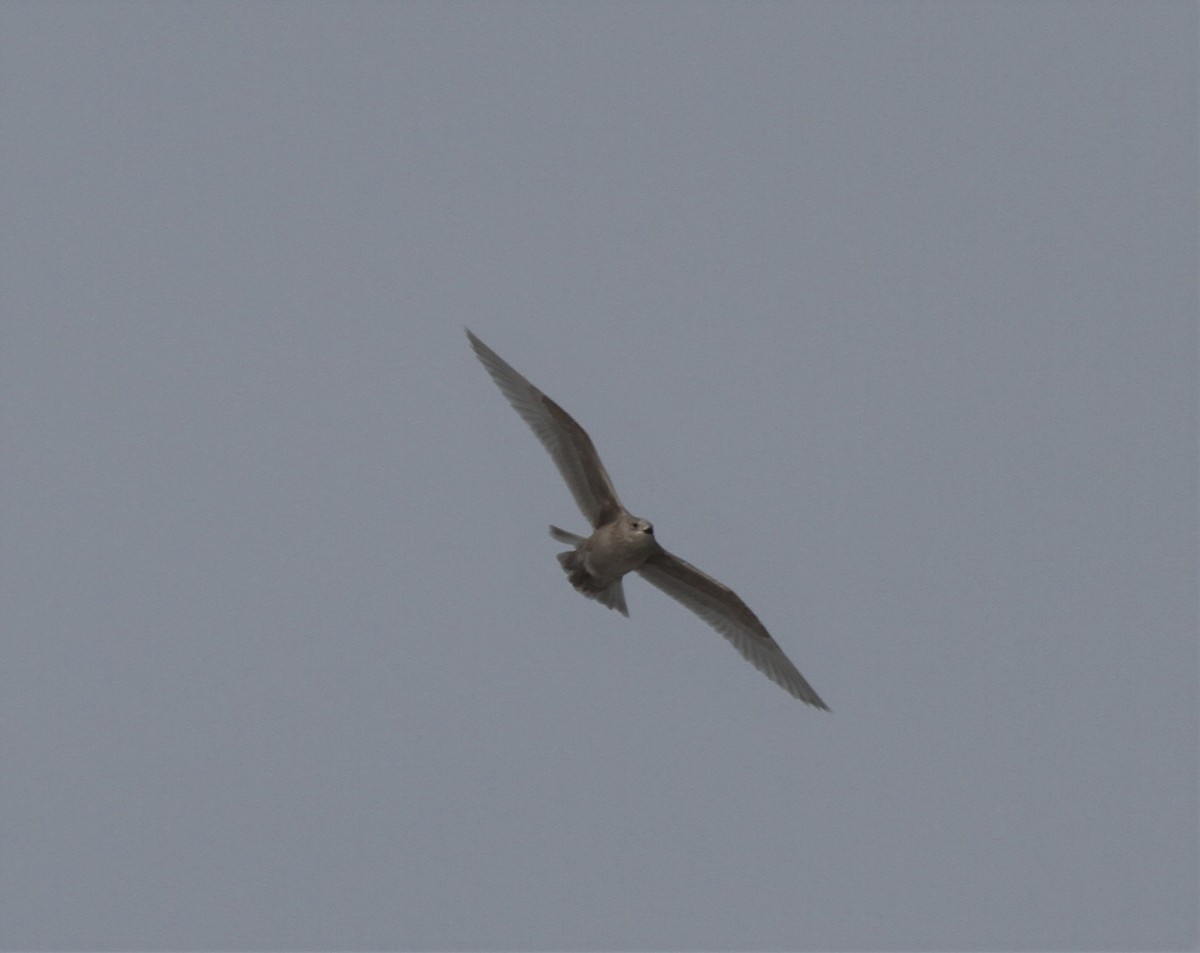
(621,543)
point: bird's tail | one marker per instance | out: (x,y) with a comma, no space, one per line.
(612,596)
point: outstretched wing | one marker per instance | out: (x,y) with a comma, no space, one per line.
(720,607)
(567,443)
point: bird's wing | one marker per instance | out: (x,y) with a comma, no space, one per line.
(568,444)
(564,537)
(720,607)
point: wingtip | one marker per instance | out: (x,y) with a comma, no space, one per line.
(815,702)
(802,693)
(485,354)
(812,699)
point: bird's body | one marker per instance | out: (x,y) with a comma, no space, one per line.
(596,564)
(621,543)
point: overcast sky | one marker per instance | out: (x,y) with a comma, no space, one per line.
(885,314)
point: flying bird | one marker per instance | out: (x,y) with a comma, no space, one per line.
(621,543)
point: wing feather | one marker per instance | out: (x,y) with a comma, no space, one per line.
(720,607)
(568,444)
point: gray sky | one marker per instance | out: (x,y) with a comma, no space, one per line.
(884,313)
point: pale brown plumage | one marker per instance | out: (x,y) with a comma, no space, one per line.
(621,543)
